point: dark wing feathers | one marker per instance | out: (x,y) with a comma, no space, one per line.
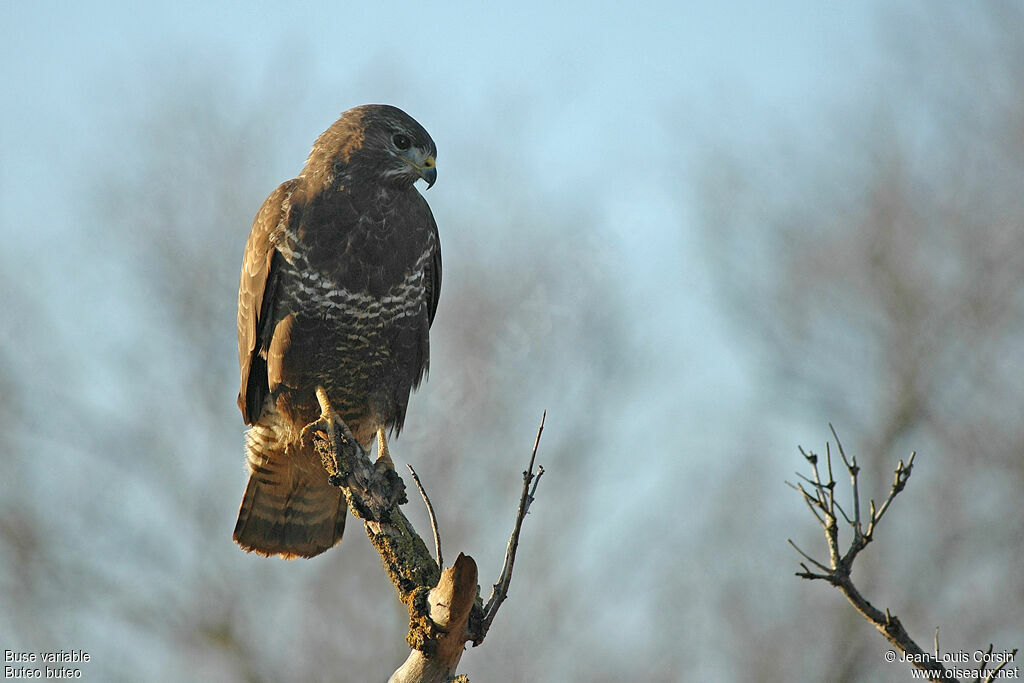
(256,295)
(434,276)
(258,320)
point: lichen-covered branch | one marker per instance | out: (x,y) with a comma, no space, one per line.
(445,610)
(819,496)
(374,493)
(445,618)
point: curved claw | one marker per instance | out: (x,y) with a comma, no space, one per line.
(328,435)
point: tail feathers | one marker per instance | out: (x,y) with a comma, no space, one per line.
(298,518)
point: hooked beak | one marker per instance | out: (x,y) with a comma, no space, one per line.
(428,171)
(424,165)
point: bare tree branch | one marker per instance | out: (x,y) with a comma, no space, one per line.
(444,608)
(499,590)
(445,618)
(823,505)
(430,513)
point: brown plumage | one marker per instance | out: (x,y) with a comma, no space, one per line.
(339,286)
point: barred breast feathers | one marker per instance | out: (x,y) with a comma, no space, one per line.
(406,298)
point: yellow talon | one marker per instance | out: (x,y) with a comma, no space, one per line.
(383,456)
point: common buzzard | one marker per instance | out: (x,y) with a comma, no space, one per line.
(339,287)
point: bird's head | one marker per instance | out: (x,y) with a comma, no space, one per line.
(375,141)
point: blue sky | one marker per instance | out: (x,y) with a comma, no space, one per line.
(605,105)
(608,82)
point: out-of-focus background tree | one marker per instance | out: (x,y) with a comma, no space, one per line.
(693,238)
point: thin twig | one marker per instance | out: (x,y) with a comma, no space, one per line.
(810,559)
(981,669)
(433,519)
(846,517)
(831,481)
(812,503)
(854,470)
(499,590)
(995,672)
(818,486)
(900,478)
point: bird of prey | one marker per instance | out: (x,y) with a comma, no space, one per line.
(339,286)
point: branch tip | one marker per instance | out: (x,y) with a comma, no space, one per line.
(433,518)
(500,588)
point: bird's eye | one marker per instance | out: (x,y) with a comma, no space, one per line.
(401,141)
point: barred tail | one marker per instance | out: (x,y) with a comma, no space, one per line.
(288,508)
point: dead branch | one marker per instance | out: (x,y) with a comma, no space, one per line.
(445,609)
(430,513)
(499,591)
(820,499)
(445,618)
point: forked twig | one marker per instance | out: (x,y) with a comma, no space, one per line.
(820,499)
(499,591)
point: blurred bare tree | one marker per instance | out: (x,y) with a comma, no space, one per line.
(875,268)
